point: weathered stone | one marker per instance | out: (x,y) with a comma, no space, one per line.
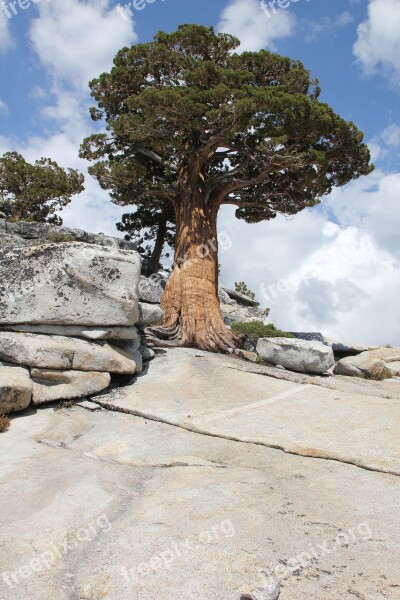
(296,355)
(250,356)
(374,364)
(308,337)
(271,591)
(50,385)
(139,362)
(68,284)
(151,289)
(90,333)
(149,314)
(224,298)
(15,389)
(342,349)
(34,233)
(236,313)
(147,353)
(241,298)
(61,353)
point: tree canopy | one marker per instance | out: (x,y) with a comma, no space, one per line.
(36,191)
(251,122)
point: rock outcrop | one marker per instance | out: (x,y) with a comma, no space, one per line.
(381,363)
(69,314)
(296,355)
(69,284)
(238,308)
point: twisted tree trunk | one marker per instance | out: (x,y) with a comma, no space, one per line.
(190,300)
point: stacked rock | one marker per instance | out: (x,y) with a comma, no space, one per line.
(68,316)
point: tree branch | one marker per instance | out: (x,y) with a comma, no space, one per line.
(157,159)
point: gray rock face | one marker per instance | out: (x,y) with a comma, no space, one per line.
(374,364)
(33,233)
(151,289)
(149,314)
(296,355)
(309,337)
(49,385)
(89,333)
(241,298)
(236,313)
(15,389)
(69,284)
(60,353)
(271,591)
(224,298)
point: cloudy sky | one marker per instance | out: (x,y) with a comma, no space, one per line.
(334,268)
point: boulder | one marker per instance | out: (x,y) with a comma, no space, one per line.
(89,333)
(61,353)
(342,349)
(241,298)
(381,363)
(147,353)
(296,355)
(15,389)
(139,361)
(224,298)
(50,385)
(151,289)
(69,284)
(149,314)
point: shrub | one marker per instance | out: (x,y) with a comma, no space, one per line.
(242,288)
(58,238)
(256,329)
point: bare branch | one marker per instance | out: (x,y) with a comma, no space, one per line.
(158,159)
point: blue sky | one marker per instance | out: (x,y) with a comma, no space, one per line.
(342,258)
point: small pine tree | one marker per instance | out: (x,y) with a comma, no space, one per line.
(242,288)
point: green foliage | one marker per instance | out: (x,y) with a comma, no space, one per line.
(4,423)
(58,238)
(35,192)
(147,224)
(256,329)
(186,112)
(242,288)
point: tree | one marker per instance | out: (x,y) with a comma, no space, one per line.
(193,123)
(35,192)
(148,224)
(242,288)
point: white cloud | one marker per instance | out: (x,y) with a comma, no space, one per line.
(255,29)
(378,43)
(5,38)
(391,135)
(325,26)
(78,40)
(341,278)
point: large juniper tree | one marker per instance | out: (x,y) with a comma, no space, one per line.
(193,123)
(35,192)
